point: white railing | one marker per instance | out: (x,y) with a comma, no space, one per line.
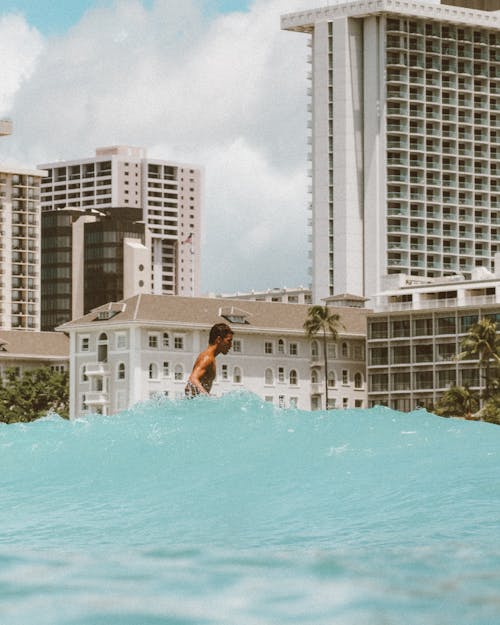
(96,397)
(97,368)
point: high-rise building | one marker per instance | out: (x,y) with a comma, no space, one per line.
(405,141)
(90,258)
(168,193)
(19,248)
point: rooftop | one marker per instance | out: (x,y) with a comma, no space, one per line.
(43,345)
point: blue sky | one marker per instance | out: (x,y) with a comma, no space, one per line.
(56,16)
(215,83)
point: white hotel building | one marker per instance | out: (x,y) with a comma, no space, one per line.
(129,351)
(168,193)
(404,139)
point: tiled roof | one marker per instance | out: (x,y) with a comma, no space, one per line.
(204,312)
(41,345)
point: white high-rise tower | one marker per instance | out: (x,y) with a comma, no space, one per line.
(405,141)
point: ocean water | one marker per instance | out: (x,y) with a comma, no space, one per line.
(231,512)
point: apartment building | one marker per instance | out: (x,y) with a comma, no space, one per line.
(20,248)
(298,295)
(404,141)
(167,193)
(414,336)
(129,351)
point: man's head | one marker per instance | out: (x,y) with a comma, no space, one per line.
(222,336)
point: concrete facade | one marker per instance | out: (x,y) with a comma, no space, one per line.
(20,248)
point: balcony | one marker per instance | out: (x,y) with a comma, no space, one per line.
(96,398)
(97,368)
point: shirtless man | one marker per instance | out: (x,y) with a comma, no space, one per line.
(203,374)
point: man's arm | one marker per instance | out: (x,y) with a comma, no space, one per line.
(200,369)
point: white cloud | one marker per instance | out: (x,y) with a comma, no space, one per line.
(228,94)
(20,47)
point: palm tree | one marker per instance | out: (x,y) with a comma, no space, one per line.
(321,321)
(483,343)
(457,401)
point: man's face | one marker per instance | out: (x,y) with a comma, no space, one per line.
(225,343)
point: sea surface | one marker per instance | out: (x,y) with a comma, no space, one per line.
(232,512)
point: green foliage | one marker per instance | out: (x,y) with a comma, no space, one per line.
(491,410)
(483,343)
(457,401)
(321,321)
(34,394)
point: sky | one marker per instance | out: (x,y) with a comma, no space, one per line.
(214,83)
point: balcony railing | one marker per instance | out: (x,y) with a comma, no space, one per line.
(96,398)
(97,368)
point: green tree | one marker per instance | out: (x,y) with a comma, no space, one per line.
(457,401)
(33,394)
(491,410)
(321,321)
(483,343)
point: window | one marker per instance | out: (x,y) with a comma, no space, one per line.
(314,376)
(281,346)
(153,371)
(153,341)
(84,343)
(224,374)
(268,347)
(269,377)
(166,339)
(332,403)
(237,346)
(281,374)
(268,399)
(358,380)
(331,379)
(358,403)
(345,350)
(281,401)
(166,369)
(83,376)
(179,342)
(293,349)
(121,340)
(294,402)
(331,350)
(237,375)
(314,349)
(120,375)
(345,376)
(178,373)
(345,402)
(293,378)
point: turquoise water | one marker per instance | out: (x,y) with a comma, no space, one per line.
(231,512)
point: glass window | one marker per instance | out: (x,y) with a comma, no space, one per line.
(224,373)
(268,347)
(422,327)
(345,376)
(293,349)
(84,343)
(281,346)
(236,346)
(237,375)
(281,401)
(446,325)
(153,371)
(178,372)
(331,379)
(401,328)
(447,378)
(121,340)
(281,374)
(314,348)
(293,377)
(166,339)
(179,342)
(121,371)
(153,341)
(379,330)
(345,350)
(269,377)
(358,380)
(467,321)
(166,369)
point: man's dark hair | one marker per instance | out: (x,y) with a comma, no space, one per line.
(219,329)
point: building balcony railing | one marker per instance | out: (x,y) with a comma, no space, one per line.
(97,368)
(93,398)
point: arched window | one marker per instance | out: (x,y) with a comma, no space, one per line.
(121,371)
(178,373)
(153,371)
(358,380)
(269,377)
(102,348)
(331,379)
(314,376)
(293,377)
(345,350)
(237,375)
(314,349)
(281,346)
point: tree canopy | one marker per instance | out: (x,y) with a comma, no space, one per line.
(33,394)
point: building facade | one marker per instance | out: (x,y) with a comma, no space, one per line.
(414,337)
(299,295)
(167,193)
(20,248)
(405,141)
(126,352)
(23,351)
(90,258)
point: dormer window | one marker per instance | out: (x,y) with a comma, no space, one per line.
(234,315)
